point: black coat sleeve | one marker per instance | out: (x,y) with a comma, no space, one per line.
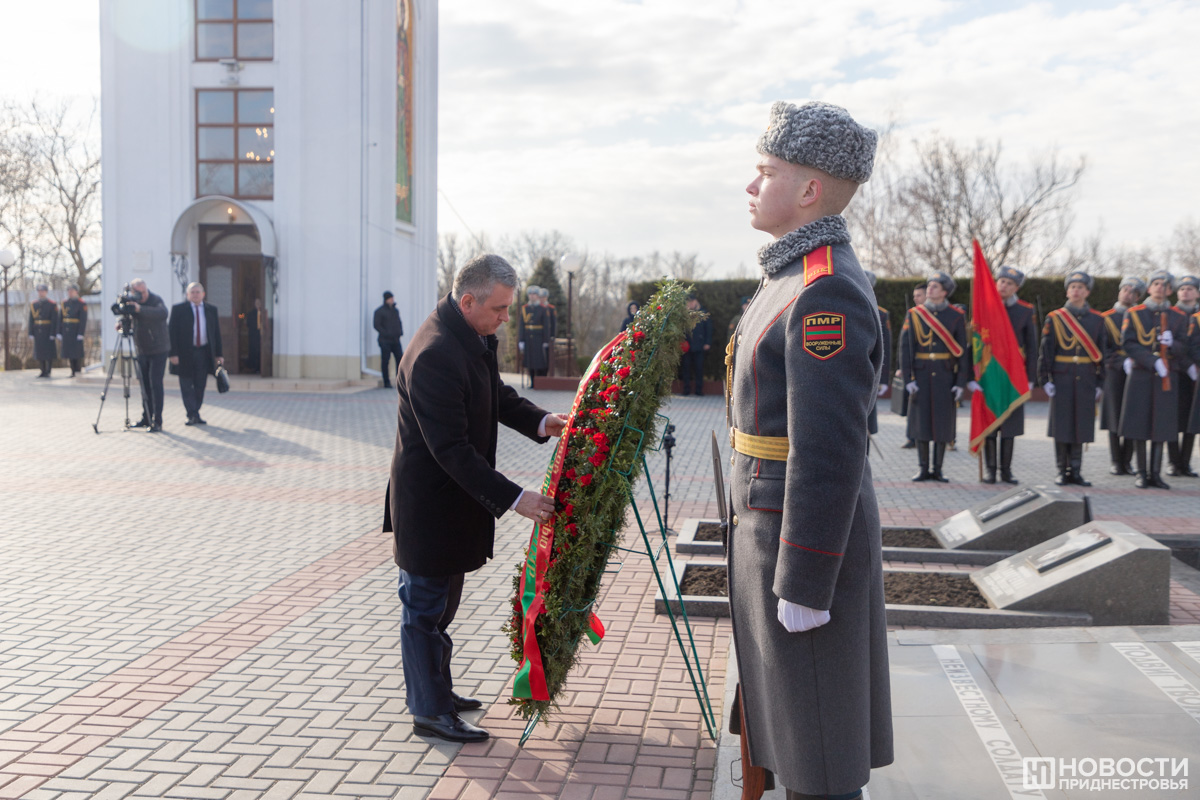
(214,330)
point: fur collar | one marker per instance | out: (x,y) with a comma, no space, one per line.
(802,241)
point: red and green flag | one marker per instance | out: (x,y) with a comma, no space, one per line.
(999,367)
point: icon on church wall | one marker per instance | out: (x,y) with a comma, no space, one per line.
(404,92)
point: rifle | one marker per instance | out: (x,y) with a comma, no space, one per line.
(1162,351)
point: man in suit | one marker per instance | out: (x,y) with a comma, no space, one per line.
(390,329)
(699,343)
(195,348)
(444,493)
(152,340)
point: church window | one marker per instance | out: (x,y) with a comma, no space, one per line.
(241,29)
(235,143)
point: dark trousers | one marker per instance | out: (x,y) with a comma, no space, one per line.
(150,374)
(45,365)
(76,365)
(425,647)
(693,371)
(388,350)
(193,378)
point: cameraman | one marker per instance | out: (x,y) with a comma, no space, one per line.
(153,345)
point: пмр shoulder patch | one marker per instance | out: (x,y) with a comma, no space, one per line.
(818,264)
(824,334)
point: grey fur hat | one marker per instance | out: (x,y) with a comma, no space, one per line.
(1137,283)
(823,136)
(1188,280)
(1162,275)
(870,277)
(74,286)
(1079,276)
(543,291)
(41,287)
(945,280)
(1013,274)
(533,288)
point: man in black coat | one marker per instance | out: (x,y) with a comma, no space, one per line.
(72,324)
(390,329)
(153,343)
(444,493)
(195,348)
(43,329)
(1071,370)
(1129,294)
(936,364)
(699,343)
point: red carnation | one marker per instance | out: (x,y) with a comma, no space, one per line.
(597,459)
(570,474)
(685,346)
(584,480)
(624,372)
(568,510)
(571,529)
(639,335)
(601,439)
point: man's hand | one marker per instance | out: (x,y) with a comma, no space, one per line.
(137,308)
(1193,373)
(1160,367)
(974,386)
(536,507)
(882,390)
(58,336)
(1099,393)
(1049,387)
(80,337)
(1167,338)
(957,392)
(175,360)
(1127,365)
(706,347)
(555,424)
(911,387)
(521,346)
(797,618)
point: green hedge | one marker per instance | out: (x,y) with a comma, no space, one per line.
(721,300)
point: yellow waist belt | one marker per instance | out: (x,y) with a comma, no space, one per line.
(934,356)
(42,322)
(533,327)
(1073,359)
(771,448)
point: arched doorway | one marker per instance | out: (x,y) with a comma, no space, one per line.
(234,254)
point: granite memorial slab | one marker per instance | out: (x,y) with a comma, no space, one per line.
(1015,520)
(1103,568)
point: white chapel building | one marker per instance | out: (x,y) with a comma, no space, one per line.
(283,151)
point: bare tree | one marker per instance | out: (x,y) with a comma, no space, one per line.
(1183,249)
(21,225)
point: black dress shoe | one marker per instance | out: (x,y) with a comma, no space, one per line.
(450,727)
(155,428)
(909,445)
(465,703)
(200,421)
(141,423)
(190,421)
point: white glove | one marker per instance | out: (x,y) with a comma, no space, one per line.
(1194,373)
(910,387)
(521,346)
(31,336)
(1160,367)
(957,390)
(58,336)
(1167,338)
(1049,387)
(1127,365)
(797,618)
(80,337)
(883,389)
(1099,392)
(974,386)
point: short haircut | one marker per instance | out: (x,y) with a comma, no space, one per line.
(136,282)
(481,274)
(195,285)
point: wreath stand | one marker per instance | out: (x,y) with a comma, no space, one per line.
(655,552)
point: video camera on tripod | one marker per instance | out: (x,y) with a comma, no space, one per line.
(125,308)
(125,353)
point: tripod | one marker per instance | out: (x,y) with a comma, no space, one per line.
(125,355)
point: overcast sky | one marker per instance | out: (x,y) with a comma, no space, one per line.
(630,126)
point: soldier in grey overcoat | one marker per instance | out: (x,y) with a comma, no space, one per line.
(935,363)
(1023,320)
(1071,369)
(805,568)
(1193,426)
(1129,294)
(1179,452)
(533,327)
(1155,337)
(43,329)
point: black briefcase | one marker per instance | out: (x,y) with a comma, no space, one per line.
(222,380)
(899,397)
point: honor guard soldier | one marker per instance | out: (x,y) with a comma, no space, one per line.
(531,333)
(1180,452)
(885,323)
(1155,336)
(43,329)
(936,365)
(551,328)
(72,324)
(1120,450)
(1025,327)
(1193,426)
(1071,371)
(918,296)
(805,567)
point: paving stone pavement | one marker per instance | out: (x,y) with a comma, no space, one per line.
(211,611)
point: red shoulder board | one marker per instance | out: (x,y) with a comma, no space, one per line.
(883,310)
(959,310)
(1110,312)
(818,264)
(1094,311)
(1138,307)
(1021,302)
